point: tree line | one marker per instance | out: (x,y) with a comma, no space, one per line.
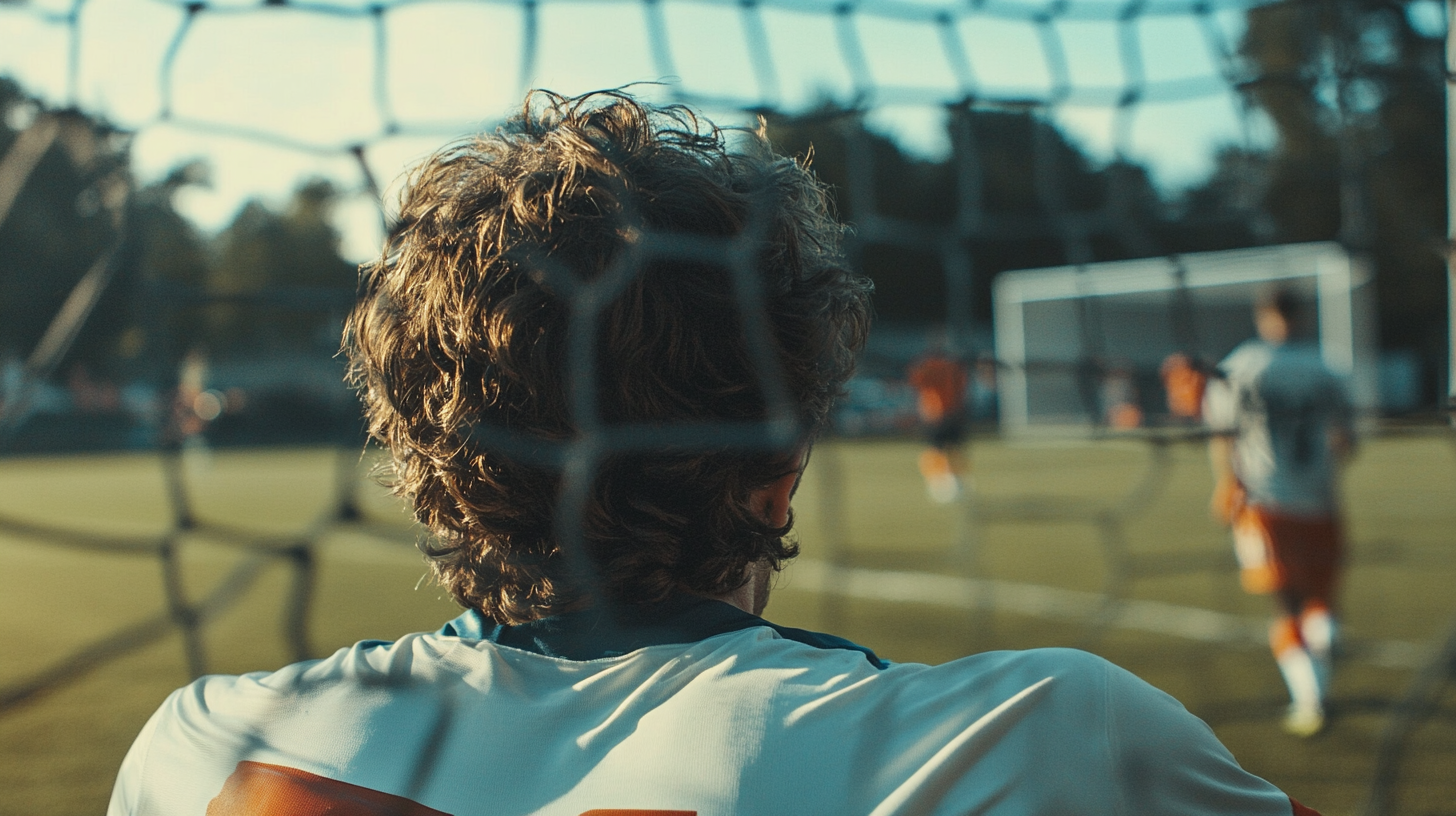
(1354,92)
(271,281)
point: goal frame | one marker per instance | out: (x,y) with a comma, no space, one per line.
(1342,285)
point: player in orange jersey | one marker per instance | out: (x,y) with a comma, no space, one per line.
(940,383)
(1282,425)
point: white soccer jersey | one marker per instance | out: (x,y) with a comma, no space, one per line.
(749,719)
(1283,403)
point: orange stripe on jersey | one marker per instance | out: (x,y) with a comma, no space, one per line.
(259,789)
(1301,810)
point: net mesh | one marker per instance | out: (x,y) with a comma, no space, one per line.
(975,229)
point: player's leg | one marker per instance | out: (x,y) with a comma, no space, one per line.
(941,463)
(1322,547)
(1269,553)
(1306,553)
(1319,629)
(1299,668)
(956,456)
(941,482)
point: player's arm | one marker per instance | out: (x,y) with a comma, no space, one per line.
(1341,433)
(1228,492)
(1220,411)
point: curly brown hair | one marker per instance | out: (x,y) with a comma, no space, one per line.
(602,269)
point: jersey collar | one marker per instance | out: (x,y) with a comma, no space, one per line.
(589,634)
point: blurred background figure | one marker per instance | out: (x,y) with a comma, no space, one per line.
(985,396)
(1184,382)
(940,381)
(1119,396)
(193,406)
(90,395)
(1282,425)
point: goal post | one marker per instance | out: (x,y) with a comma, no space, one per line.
(1054,325)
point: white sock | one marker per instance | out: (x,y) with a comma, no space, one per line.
(1318,629)
(1302,678)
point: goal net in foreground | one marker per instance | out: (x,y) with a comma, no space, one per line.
(1218,138)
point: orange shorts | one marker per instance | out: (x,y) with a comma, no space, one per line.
(1282,553)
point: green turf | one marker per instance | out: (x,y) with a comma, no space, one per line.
(58,754)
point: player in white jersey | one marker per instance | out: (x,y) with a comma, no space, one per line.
(1282,421)
(620,666)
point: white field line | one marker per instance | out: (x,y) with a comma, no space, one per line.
(894,586)
(1038,601)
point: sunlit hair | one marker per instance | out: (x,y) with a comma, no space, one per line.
(461,335)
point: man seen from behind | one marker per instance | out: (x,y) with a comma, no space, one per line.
(598,347)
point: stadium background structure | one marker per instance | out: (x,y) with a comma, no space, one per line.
(578,459)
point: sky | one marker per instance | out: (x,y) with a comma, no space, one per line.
(270,96)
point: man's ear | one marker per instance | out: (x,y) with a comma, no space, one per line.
(771,502)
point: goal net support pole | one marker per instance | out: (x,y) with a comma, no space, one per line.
(1451,208)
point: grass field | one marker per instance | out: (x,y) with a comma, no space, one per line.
(59,751)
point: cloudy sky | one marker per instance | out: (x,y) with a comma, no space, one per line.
(271,95)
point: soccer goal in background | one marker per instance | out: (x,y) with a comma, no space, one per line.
(1065,333)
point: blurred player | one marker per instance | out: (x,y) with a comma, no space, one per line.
(186,424)
(940,384)
(1184,382)
(1120,399)
(1283,426)
(193,408)
(620,666)
(985,391)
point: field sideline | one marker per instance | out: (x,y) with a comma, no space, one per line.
(914,581)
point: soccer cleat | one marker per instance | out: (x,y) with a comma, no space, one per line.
(1304,722)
